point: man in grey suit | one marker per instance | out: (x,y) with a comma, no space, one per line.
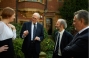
(78,47)
(32,33)
(62,38)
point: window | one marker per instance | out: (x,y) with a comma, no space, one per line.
(41,1)
(22,0)
(26,0)
(29,0)
(49,26)
(34,0)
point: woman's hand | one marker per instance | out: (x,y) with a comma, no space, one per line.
(12,26)
(4,48)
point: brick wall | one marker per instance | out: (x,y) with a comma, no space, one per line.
(8,3)
(28,4)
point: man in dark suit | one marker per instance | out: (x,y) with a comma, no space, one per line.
(62,38)
(33,34)
(78,47)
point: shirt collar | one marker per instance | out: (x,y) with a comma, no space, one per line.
(62,31)
(83,29)
(35,23)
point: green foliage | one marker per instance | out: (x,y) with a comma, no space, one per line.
(45,33)
(47,45)
(49,54)
(68,9)
(70,6)
(53,34)
(17,47)
(18,29)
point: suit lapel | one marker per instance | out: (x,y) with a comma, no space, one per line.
(56,36)
(62,40)
(63,37)
(29,26)
(77,36)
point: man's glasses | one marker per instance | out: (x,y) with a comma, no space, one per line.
(34,18)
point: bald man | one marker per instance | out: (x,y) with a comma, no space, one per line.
(32,33)
(62,38)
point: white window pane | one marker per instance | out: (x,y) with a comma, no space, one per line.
(41,1)
(34,0)
(29,0)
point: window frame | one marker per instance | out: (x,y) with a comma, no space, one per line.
(33,1)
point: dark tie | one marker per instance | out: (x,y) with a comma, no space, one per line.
(34,31)
(57,45)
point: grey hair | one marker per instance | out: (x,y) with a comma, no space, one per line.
(63,22)
(82,14)
(37,14)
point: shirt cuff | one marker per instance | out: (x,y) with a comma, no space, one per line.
(23,36)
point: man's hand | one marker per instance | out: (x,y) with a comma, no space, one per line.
(37,38)
(25,33)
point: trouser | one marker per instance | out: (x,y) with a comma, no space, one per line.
(10,52)
(32,52)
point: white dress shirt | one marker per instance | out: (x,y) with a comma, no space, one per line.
(32,27)
(61,34)
(6,32)
(83,29)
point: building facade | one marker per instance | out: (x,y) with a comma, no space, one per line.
(48,10)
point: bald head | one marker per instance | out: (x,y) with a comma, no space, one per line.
(63,22)
(36,14)
(35,17)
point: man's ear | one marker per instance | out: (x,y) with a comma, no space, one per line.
(82,20)
(61,25)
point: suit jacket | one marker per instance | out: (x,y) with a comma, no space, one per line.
(27,39)
(66,38)
(78,47)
